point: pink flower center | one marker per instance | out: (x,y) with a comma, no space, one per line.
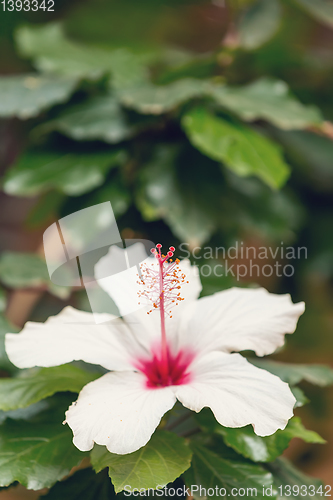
(161,373)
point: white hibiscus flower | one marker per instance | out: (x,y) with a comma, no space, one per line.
(172,353)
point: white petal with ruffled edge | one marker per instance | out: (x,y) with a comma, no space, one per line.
(239,319)
(238,393)
(124,289)
(118,411)
(70,336)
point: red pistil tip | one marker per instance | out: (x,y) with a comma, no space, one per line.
(158,245)
(170,254)
(172,249)
(152,250)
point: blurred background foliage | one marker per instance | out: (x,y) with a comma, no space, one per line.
(202,122)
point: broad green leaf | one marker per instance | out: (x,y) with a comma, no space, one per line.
(98,118)
(270,100)
(72,173)
(28,387)
(243,150)
(25,96)
(22,270)
(293,374)
(52,52)
(180,196)
(164,458)
(36,454)
(209,470)
(155,100)
(259,449)
(5,327)
(290,482)
(295,429)
(259,23)
(83,485)
(322,10)
(26,270)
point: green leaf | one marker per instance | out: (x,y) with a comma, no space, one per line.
(5,327)
(32,386)
(287,477)
(322,10)
(259,449)
(72,174)
(295,429)
(209,470)
(98,118)
(36,454)
(54,53)
(293,374)
(26,270)
(32,270)
(259,23)
(155,100)
(241,148)
(270,100)
(180,196)
(164,458)
(84,484)
(25,96)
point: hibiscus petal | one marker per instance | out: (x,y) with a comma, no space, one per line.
(240,319)
(118,411)
(238,393)
(73,335)
(124,289)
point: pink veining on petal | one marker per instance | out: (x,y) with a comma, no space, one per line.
(162,373)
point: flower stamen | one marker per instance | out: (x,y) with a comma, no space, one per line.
(161,288)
